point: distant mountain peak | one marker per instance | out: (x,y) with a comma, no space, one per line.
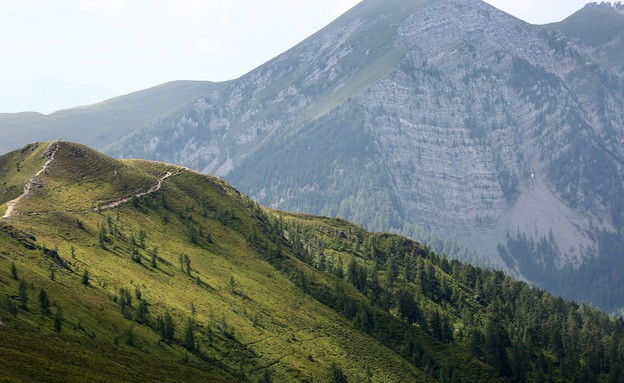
(616,6)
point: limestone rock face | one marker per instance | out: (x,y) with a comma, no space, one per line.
(444,114)
(599,30)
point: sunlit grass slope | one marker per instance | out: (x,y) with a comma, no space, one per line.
(17,167)
(143,271)
(247,316)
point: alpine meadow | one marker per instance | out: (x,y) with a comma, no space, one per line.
(140,271)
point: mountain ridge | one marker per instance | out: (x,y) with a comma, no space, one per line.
(121,115)
(598,29)
(450,116)
(194,280)
(81,229)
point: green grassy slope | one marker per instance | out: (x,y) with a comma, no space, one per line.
(262,322)
(17,167)
(253,294)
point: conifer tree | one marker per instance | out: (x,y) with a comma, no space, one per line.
(189,335)
(125,302)
(58,320)
(374,289)
(142,237)
(168,328)
(13,271)
(130,338)
(266,377)
(187,264)
(154,258)
(23,293)
(336,375)
(392,270)
(352,271)
(232,284)
(495,344)
(142,312)
(102,238)
(44,302)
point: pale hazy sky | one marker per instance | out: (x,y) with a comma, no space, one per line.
(62,53)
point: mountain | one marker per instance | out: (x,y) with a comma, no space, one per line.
(449,117)
(446,115)
(160,273)
(104,123)
(599,30)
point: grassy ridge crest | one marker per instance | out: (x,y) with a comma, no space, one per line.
(191,281)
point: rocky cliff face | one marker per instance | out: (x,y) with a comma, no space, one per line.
(487,118)
(599,30)
(444,114)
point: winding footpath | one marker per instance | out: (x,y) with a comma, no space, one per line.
(123,200)
(52,149)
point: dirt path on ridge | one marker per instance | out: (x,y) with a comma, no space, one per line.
(123,200)
(52,149)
